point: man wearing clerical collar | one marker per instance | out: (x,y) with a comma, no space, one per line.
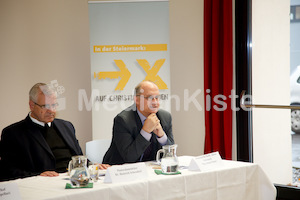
(40,144)
(43,104)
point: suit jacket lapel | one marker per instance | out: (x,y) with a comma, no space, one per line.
(138,121)
(62,130)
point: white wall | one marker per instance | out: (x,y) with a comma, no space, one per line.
(43,41)
(186,41)
(270,77)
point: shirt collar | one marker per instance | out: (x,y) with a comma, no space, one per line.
(37,121)
(142,117)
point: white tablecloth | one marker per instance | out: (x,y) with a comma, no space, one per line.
(234,180)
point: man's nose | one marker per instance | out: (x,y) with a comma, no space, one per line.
(52,109)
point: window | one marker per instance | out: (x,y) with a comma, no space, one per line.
(295,13)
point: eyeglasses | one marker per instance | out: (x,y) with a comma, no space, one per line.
(151,98)
(47,106)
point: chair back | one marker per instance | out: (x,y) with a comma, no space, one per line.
(96,149)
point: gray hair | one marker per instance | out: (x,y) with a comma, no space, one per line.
(40,88)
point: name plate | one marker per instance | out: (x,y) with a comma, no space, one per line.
(125,173)
(206,162)
(9,191)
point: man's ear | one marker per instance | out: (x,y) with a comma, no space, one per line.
(31,105)
(134,98)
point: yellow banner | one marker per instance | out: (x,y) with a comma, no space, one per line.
(130,48)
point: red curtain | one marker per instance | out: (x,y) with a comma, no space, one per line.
(218,69)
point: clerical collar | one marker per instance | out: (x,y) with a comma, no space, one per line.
(37,121)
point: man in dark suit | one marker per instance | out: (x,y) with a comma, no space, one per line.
(40,144)
(140,130)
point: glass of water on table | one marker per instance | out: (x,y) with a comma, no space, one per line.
(94,172)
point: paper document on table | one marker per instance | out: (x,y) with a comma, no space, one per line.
(9,191)
(206,162)
(126,172)
(184,161)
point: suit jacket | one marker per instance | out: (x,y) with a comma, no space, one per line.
(128,144)
(25,152)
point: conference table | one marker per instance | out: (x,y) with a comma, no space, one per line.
(233,180)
